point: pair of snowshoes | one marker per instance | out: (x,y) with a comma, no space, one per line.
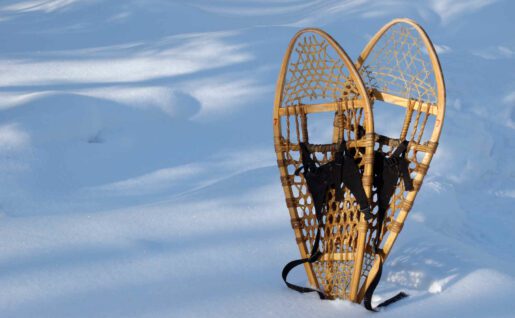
(349,187)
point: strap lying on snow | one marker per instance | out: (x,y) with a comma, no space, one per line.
(315,255)
(319,179)
(367,300)
(387,171)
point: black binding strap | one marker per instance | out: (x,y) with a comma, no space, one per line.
(367,300)
(319,179)
(315,255)
(387,171)
(340,172)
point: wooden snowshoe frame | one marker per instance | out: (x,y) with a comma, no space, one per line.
(317,77)
(400,68)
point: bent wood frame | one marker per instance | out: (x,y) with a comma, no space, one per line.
(279,111)
(437,109)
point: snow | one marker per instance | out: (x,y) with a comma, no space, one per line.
(138,172)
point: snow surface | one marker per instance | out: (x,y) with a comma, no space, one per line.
(138,176)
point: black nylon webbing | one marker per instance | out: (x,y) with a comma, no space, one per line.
(343,169)
(319,179)
(367,300)
(387,171)
(315,255)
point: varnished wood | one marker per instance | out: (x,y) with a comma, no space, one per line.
(436,109)
(349,95)
(285,107)
(378,95)
(404,102)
